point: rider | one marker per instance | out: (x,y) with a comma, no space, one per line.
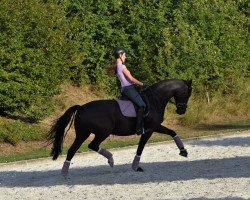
(127,86)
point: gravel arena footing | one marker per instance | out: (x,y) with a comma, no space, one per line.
(216,168)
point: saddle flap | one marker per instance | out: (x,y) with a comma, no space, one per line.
(128,108)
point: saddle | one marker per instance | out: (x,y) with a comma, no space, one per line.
(128,108)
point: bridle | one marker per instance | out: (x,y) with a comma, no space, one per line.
(178,105)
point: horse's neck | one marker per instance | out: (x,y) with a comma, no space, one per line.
(156,102)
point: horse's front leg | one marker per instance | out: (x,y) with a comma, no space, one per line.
(143,140)
(176,138)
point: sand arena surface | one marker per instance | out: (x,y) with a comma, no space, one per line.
(217,168)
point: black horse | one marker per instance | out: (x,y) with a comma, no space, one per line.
(103,117)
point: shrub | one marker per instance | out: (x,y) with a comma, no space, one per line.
(43,43)
(15,131)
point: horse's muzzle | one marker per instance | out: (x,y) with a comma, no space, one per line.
(181,108)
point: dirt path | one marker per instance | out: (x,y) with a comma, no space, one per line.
(217,168)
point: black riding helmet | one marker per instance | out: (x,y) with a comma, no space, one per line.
(118,51)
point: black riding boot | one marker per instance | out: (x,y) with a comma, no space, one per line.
(139,123)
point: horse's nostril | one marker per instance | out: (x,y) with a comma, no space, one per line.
(180,111)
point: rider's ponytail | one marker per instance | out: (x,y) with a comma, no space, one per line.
(112,70)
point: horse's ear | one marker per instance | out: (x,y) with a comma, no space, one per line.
(189,82)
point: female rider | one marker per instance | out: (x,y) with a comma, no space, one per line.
(127,86)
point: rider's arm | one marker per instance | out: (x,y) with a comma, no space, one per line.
(127,73)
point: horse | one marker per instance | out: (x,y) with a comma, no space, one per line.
(103,118)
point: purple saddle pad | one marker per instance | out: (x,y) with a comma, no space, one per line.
(127,107)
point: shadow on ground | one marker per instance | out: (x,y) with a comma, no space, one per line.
(157,172)
(232,141)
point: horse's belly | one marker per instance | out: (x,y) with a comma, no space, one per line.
(125,127)
(101,117)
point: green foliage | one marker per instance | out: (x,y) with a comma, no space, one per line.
(15,131)
(204,40)
(213,44)
(43,43)
(34,56)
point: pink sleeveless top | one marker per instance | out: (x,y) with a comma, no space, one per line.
(123,79)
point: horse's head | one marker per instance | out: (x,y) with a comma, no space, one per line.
(181,96)
(178,89)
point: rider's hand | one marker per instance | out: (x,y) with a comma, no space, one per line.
(145,85)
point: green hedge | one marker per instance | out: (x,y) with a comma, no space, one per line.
(43,43)
(15,131)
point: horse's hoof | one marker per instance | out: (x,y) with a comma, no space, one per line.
(111,162)
(183,153)
(139,169)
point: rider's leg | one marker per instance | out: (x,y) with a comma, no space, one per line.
(134,96)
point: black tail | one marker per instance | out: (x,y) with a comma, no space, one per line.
(56,133)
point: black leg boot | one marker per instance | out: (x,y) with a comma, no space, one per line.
(139,123)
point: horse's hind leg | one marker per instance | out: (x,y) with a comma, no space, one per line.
(95,146)
(72,150)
